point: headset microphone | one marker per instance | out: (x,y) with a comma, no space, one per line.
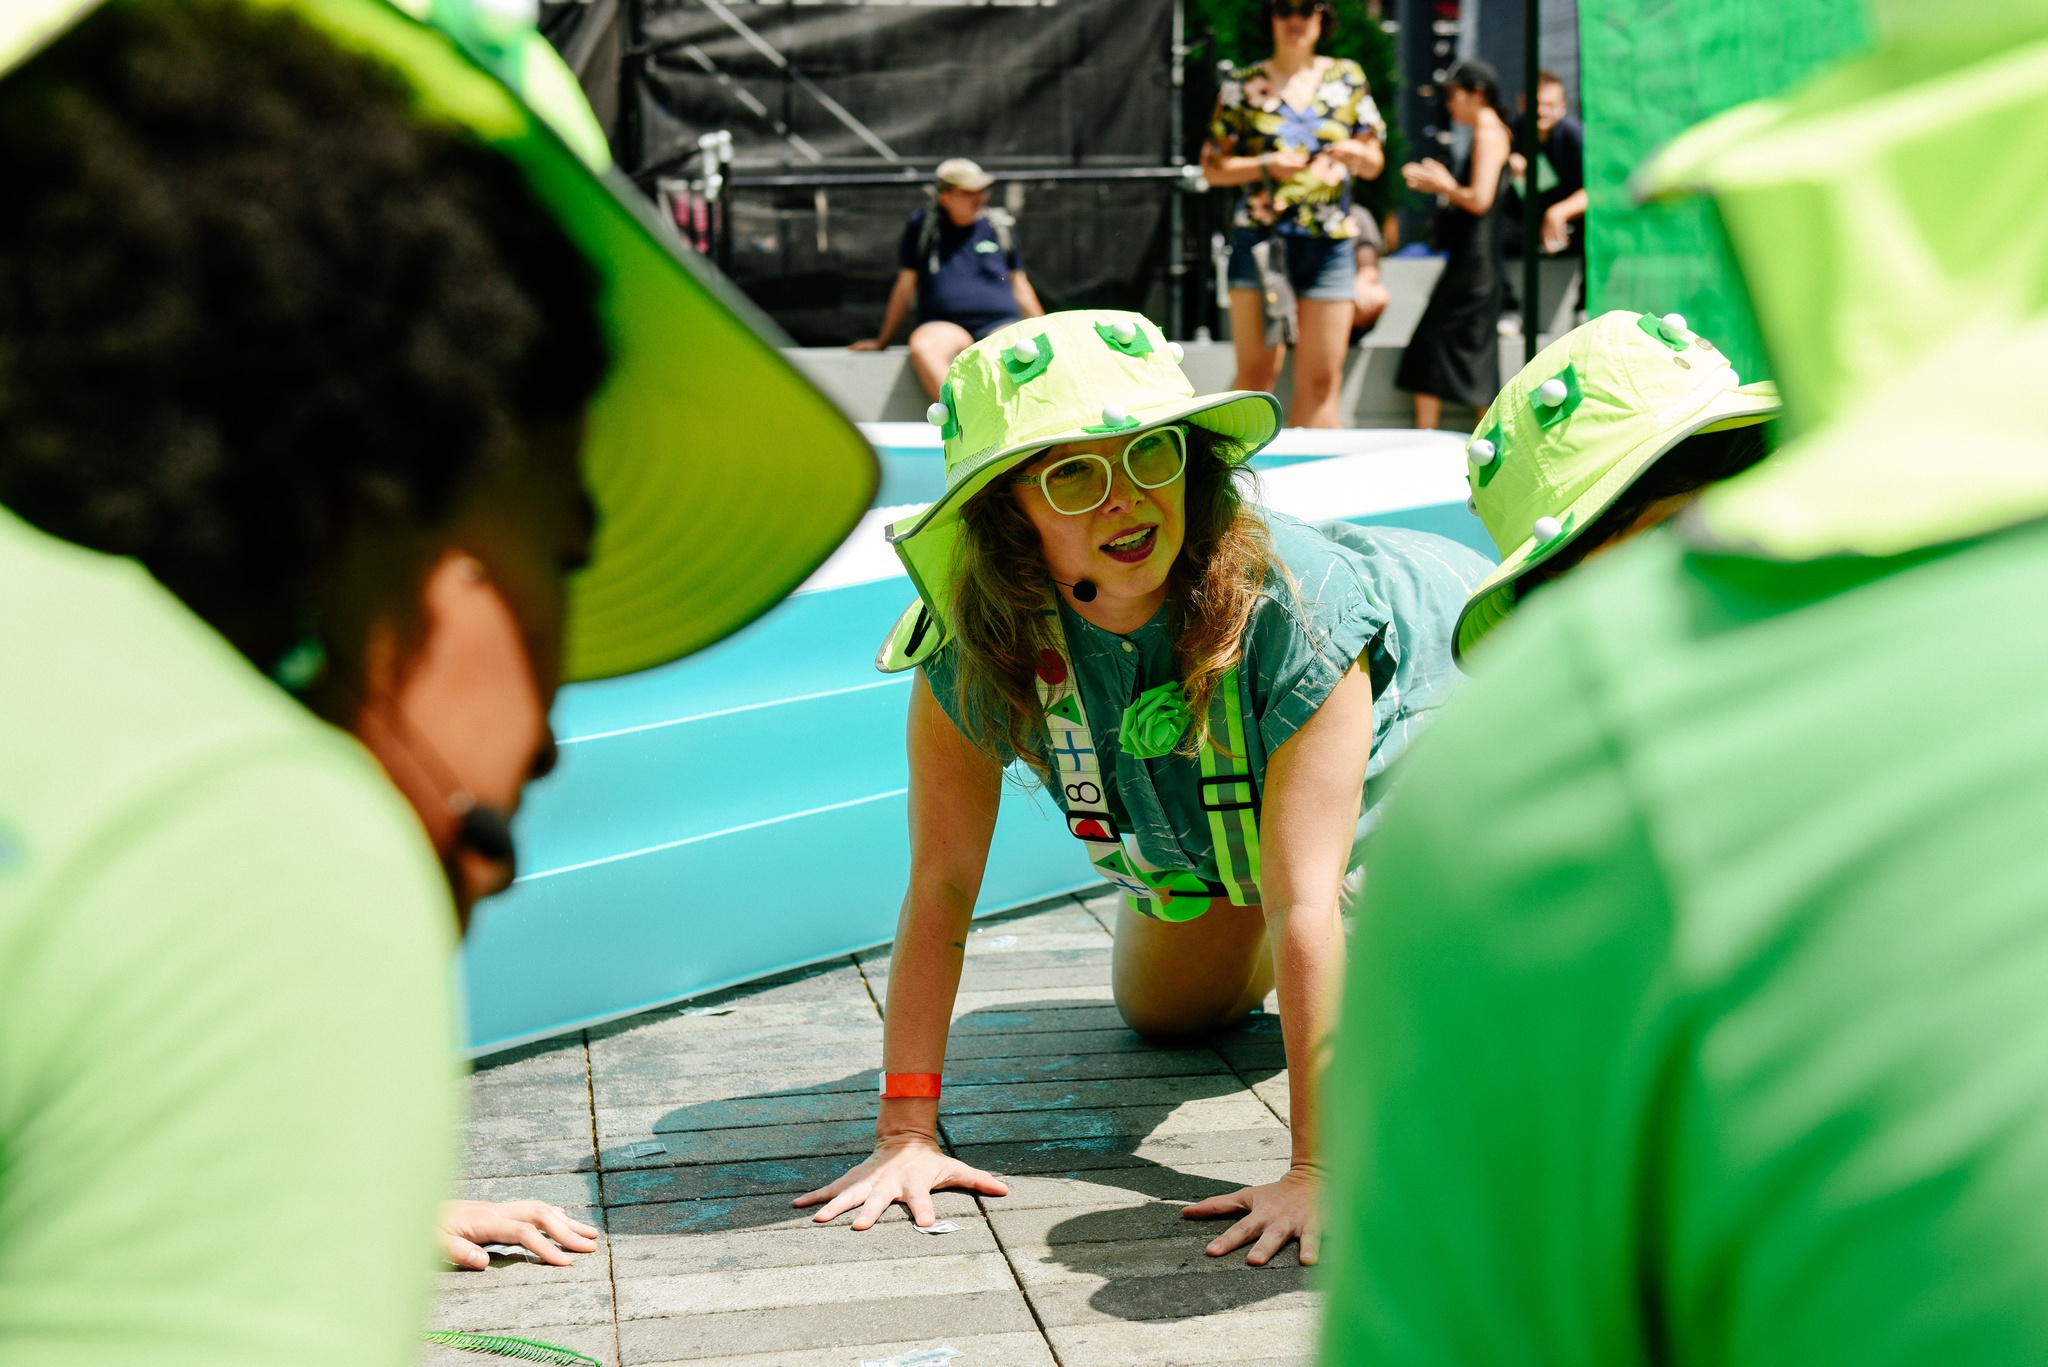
(1084,589)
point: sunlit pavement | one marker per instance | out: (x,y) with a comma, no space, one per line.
(685,1131)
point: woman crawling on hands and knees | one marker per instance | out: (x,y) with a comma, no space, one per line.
(1193,679)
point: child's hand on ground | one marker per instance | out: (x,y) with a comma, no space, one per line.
(1275,1215)
(542,1229)
(907,1169)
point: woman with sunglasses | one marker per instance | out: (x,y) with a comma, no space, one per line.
(1210,693)
(1294,131)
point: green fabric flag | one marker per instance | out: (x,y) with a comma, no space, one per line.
(1651,71)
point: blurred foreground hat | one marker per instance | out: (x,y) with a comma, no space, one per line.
(958,173)
(1077,376)
(722,478)
(1571,432)
(1901,285)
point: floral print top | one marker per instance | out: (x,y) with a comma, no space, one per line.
(1252,120)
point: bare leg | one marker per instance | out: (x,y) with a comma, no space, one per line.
(1185,979)
(1258,365)
(1319,362)
(1429,411)
(932,349)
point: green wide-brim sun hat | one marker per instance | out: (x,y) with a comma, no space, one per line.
(1569,434)
(721,476)
(1077,376)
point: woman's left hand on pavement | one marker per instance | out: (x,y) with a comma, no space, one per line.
(1274,1215)
(544,1230)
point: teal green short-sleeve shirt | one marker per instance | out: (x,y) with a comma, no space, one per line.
(1699,997)
(1338,592)
(228,1096)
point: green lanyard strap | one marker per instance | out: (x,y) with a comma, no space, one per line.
(1226,792)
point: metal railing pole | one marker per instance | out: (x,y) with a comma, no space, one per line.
(1532,223)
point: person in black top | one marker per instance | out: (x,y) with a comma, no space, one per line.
(1455,350)
(1560,171)
(961,267)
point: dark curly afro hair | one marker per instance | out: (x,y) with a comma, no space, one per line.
(249,301)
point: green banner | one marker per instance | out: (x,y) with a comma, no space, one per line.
(1648,71)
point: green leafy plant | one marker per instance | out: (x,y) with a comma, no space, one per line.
(506,1346)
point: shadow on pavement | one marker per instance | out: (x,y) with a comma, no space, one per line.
(751,1152)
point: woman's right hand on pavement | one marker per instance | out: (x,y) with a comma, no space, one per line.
(906,1169)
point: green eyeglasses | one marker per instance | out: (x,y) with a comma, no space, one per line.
(1080,484)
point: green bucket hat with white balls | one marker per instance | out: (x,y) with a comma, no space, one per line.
(1572,431)
(1067,377)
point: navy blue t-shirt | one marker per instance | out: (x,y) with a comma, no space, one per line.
(972,286)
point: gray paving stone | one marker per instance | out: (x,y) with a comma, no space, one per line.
(524,1099)
(759,1177)
(569,1190)
(979,1350)
(1143,1062)
(1235,1111)
(1081,1094)
(852,1072)
(835,1284)
(524,1160)
(1024,1017)
(529,1127)
(969,1041)
(1102,1152)
(766,1231)
(1130,1186)
(559,1302)
(1119,1262)
(741,1112)
(1177,1297)
(1010,998)
(747,1143)
(791,1329)
(1244,1338)
(978,979)
(547,1059)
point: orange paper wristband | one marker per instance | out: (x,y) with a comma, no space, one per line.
(909,1084)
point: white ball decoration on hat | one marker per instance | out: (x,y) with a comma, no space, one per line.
(1026,350)
(1472,505)
(1547,529)
(1482,452)
(938,415)
(1552,392)
(1126,331)
(1176,350)
(1675,321)
(1112,415)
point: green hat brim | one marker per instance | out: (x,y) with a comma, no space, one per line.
(928,543)
(1493,599)
(722,478)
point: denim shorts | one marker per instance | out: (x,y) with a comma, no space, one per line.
(1317,267)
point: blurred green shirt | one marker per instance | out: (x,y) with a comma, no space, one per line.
(228,1100)
(1699,1001)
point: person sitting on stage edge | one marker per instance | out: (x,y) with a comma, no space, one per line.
(961,267)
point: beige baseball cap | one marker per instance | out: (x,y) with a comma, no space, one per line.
(958,173)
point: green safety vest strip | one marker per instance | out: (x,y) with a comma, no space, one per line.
(1227,795)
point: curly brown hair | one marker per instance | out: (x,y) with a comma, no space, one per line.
(999,608)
